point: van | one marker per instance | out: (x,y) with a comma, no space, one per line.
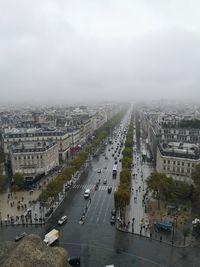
(87,193)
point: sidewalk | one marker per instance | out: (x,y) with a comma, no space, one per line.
(23,207)
(16,204)
(136,212)
(137,220)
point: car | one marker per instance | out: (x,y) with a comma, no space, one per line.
(109,149)
(20,236)
(109,189)
(62,220)
(99,170)
(106,157)
(113,155)
(74,261)
(113,212)
(104,181)
(96,187)
(87,193)
(115,158)
(115,161)
(112,220)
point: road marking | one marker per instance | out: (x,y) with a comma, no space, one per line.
(101,207)
(92,186)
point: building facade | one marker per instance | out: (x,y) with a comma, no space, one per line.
(34,159)
(177,160)
(24,136)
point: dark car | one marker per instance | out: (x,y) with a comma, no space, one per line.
(96,186)
(20,236)
(109,190)
(112,220)
(113,212)
(74,261)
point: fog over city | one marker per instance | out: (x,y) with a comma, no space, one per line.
(99,50)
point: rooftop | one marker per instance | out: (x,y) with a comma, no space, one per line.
(182,150)
(33,147)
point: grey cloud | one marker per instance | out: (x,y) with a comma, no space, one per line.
(50,50)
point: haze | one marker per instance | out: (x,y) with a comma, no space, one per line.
(75,50)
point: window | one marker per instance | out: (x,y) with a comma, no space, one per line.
(178,162)
(41,156)
(168,161)
(15,158)
(183,163)
(188,164)
(164,168)
(174,162)
(164,161)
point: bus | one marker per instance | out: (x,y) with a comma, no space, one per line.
(114,171)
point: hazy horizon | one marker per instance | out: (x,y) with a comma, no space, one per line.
(75,51)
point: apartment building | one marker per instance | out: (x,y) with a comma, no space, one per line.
(34,159)
(27,136)
(177,160)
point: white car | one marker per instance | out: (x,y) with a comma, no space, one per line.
(62,220)
(87,193)
(98,170)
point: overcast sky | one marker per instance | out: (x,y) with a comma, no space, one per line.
(68,50)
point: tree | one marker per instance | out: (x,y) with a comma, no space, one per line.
(2,157)
(18,179)
(14,188)
(2,182)
(122,198)
(127,152)
(160,184)
(196,174)
(186,231)
(126,163)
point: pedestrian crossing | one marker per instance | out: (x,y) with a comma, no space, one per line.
(92,186)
